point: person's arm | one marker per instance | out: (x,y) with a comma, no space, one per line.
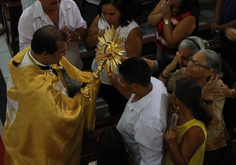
(223,27)
(227,89)
(75,36)
(166,72)
(181,154)
(219,5)
(216,22)
(155,16)
(26,31)
(133,45)
(80,26)
(207,94)
(116,83)
(92,36)
(230,33)
(182,30)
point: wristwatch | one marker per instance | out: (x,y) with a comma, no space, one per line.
(217,30)
(208,102)
(79,38)
(166,22)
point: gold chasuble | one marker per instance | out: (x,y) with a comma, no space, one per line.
(43,126)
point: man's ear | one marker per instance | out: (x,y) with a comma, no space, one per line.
(208,72)
(45,54)
(134,87)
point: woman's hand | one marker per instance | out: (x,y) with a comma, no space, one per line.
(211,85)
(230,33)
(223,91)
(171,136)
(173,64)
(165,10)
(101,33)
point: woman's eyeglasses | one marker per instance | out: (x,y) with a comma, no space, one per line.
(196,64)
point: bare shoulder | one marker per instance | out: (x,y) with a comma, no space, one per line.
(195,132)
(135,32)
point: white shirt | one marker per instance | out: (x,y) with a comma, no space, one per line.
(143,124)
(26,3)
(95,2)
(124,32)
(34,18)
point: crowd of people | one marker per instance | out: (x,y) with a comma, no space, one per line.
(51,101)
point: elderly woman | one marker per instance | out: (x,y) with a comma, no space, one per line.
(175,20)
(117,14)
(200,68)
(187,48)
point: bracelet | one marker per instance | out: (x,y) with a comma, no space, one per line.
(164,76)
(233,94)
(79,38)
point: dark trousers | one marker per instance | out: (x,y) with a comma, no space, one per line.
(229,56)
(116,102)
(3,98)
(221,156)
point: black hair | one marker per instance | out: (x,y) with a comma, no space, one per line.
(136,70)
(188,5)
(45,39)
(189,92)
(111,148)
(124,6)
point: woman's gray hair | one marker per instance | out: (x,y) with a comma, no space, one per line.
(213,61)
(194,44)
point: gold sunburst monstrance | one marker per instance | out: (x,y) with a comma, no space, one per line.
(109,50)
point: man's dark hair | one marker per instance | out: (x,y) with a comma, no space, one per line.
(45,39)
(136,70)
(124,6)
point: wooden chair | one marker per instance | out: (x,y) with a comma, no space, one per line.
(11,14)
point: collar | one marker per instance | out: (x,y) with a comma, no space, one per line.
(139,105)
(38,9)
(38,63)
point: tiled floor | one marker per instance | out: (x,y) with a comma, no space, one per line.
(5,57)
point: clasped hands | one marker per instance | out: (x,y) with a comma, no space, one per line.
(71,35)
(165,10)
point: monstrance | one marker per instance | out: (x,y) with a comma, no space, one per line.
(109,51)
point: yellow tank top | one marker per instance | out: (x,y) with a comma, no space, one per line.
(198,157)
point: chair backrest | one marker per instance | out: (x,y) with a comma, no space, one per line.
(11,14)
